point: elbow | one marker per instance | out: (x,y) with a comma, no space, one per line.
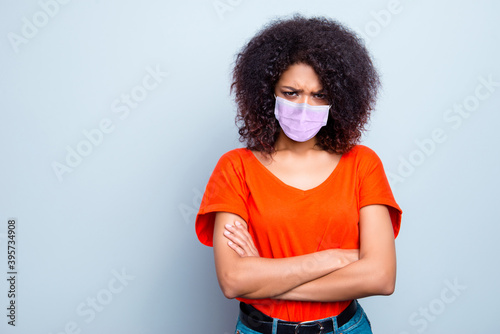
(235,285)
(385,283)
(229,285)
(228,292)
(387,288)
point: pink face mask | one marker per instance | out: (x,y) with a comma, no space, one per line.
(300,121)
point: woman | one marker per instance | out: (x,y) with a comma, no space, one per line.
(302,220)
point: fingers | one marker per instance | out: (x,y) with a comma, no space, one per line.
(236,235)
(233,238)
(236,248)
(240,240)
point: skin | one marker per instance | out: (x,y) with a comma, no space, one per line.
(331,275)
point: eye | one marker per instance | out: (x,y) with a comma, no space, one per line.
(290,94)
(320,96)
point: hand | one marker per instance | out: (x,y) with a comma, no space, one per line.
(240,240)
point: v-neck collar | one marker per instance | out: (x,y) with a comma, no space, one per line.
(257,162)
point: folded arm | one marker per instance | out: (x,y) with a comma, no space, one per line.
(373,274)
(241,273)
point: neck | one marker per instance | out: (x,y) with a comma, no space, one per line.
(283,143)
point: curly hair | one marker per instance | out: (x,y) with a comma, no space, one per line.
(339,58)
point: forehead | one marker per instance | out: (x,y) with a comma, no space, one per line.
(300,76)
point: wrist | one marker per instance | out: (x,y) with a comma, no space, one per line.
(335,259)
(341,258)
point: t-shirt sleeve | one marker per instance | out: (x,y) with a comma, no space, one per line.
(374,187)
(226,191)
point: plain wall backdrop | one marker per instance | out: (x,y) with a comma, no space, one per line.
(114,113)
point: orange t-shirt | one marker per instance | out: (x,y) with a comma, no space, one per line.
(285,221)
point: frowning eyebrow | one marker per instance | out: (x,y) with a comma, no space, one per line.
(321,91)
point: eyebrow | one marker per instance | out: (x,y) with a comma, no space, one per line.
(322,90)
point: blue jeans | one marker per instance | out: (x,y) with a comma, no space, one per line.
(359,324)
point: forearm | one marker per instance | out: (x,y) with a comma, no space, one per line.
(243,273)
(359,279)
(373,274)
(256,277)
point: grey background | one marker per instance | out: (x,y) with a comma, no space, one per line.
(127,208)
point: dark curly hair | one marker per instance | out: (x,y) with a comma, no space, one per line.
(338,57)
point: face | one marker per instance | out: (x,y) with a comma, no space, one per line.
(300,84)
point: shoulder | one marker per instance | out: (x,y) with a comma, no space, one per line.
(235,156)
(235,159)
(363,160)
(362,153)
